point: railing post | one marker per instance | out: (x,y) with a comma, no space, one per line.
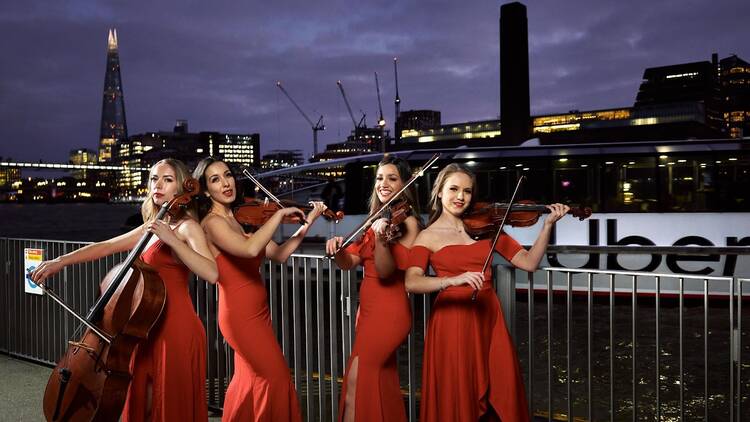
(333,337)
(550,303)
(505,288)
(530,310)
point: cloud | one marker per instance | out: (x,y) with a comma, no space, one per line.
(216,63)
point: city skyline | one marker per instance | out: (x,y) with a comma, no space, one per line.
(217,65)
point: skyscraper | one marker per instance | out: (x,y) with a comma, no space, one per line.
(114,127)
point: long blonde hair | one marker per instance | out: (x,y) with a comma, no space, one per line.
(181,172)
(436,207)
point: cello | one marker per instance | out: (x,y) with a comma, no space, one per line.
(91,380)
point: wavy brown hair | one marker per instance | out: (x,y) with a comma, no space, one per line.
(436,207)
(181,173)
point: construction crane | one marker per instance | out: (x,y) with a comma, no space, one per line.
(397,101)
(381,120)
(316,127)
(348,107)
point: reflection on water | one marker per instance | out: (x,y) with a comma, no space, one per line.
(694,370)
(645,374)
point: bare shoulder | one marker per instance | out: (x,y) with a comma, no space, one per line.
(213,222)
(412,225)
(427,238)
(189,228)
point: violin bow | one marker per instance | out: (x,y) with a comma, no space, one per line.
(349,239)
(268,193)
(497,235)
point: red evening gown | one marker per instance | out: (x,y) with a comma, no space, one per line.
(470,361)
(261,388)
(172,361)
(383,323)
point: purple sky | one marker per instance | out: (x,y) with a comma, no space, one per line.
(215,63)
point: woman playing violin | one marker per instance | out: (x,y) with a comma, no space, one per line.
(470,369)
(169,368)
(261,388)
(371,389)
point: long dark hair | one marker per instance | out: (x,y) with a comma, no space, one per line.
(410,194)
(204,202)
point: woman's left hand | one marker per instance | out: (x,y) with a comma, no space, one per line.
(556,212)
(318,207)
(163,231)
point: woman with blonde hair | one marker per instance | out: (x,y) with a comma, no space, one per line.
(470,370)
(169,368)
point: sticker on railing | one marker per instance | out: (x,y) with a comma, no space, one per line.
(31,259)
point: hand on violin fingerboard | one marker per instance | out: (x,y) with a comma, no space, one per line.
(318,208)
(556,212)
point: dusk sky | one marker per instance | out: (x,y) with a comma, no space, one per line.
(215,63)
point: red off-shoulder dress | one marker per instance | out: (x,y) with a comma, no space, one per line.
(383,323)
(470,362)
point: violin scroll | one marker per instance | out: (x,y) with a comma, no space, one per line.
(180,203)
(580,213)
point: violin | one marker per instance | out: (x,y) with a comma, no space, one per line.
(91,380)
(256,212)
(483,219)
(396,215)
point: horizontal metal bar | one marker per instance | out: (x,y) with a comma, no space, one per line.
(636,274)
(632,249)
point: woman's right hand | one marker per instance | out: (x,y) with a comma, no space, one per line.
(473,279)
(379,227)
(46,269)
(332,245)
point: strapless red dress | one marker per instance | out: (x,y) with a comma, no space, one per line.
(261,388)
(172,361)
(470,361)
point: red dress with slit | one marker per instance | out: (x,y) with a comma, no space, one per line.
(383,323)
(172,361)
(261,388)
(470,362)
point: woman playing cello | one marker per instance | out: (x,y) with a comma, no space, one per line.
(169,368)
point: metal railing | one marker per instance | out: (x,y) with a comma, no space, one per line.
(633,351)
(648,347)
